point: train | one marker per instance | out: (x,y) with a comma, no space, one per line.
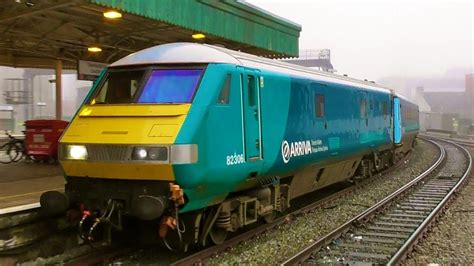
(200,141)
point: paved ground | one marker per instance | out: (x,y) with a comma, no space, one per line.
(23,183)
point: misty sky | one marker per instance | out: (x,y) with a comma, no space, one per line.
(374,39)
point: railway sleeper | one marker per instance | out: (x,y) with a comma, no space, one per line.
(357,257)
(435,190)
(415,208)
(438,186)
(381,240)
(428,202)
(369,247)
(416,212)
(415,204)
(412,225)
(439,196)
(424,199)
(401,220)
(406,215)
(384,235)
(389,229)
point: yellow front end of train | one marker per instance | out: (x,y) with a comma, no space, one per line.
(98,142)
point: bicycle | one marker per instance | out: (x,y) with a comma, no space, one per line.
(12,151)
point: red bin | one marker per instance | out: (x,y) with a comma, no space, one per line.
(42,137)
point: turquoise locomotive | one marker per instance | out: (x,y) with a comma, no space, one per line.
(200,141)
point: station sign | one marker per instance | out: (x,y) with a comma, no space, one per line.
(89,70)
(6,108)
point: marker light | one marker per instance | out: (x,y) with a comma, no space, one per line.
(112,14)
(198,36)
(158,153)
(77,152)
(94,49)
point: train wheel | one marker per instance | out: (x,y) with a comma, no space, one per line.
(217,235)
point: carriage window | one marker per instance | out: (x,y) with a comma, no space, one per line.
(119,87)
(384,108)
(363,108)
(225,91)
(319,105)
(171,86)
(251,90)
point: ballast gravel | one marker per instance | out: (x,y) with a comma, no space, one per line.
(451,241)
(280,243)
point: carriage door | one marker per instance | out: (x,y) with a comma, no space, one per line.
(251,115)
(397,121)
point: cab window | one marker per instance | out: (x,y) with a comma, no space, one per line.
(119,87)
(224,95)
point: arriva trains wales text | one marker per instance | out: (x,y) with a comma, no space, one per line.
(300,148)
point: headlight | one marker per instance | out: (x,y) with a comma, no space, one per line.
(76,152)
(139,154)
(150,153)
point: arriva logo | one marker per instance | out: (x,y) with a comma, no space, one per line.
(294,149)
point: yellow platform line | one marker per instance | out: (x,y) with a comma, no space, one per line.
(30,193)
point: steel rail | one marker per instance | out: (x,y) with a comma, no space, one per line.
(200,256)
(407,246)
(309,250)
(455,140)
(461,142)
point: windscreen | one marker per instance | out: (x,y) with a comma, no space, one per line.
(119,87)
(170,86)
(157,86)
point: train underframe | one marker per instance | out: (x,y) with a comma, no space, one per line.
(101,206)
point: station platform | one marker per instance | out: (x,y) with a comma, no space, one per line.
(23,183)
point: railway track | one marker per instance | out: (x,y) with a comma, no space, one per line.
(461,141)
(108,255)
(200,257)
(387,232)
(19,228)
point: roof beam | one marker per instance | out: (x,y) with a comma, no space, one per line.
(33,11)
(25,61)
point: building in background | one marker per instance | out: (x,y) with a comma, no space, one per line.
(30,94)
(450,110)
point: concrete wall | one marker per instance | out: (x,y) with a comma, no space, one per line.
(469,99)
(439,121)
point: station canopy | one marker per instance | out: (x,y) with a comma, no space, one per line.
(36,33)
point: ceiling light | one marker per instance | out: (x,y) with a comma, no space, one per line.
(94,49)
(198,36)
(112,14)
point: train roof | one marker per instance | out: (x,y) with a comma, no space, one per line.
(181,53)
(404,98)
